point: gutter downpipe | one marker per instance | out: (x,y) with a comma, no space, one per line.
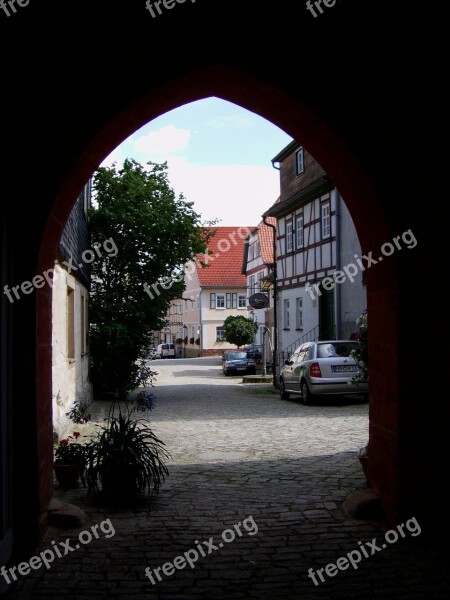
(275,316)
(338,264)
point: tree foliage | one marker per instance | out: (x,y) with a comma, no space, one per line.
(239,330)
(155,233)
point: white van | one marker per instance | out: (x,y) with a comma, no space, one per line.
(165,351)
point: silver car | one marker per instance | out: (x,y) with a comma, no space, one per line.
(319,368)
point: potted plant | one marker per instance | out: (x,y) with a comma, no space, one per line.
(69,460)
(361,353)
(127,459)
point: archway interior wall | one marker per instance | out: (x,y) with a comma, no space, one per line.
(366,210)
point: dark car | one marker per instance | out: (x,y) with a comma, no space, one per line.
(237,361)
(254,351)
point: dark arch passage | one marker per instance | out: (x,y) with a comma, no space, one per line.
(367,212)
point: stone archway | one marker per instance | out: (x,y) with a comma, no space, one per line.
(343,168)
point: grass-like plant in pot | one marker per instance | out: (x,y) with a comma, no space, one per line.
(127,460)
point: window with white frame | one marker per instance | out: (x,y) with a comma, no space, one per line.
(242,301)
(299,313)
(289,239)
(299,162)
(220,333)
(220,300)
(326,220)
(299,240)
(251,285)
(286,320)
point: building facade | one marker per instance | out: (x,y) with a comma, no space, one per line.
(258,267)
(70,320)
(320,287)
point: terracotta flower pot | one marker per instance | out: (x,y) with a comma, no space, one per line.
(67,475)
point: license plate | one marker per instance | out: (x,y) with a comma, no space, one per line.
(242,368)
(344,368)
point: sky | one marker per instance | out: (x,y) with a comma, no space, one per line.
(218,155)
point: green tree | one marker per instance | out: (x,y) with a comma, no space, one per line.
(153,233)
(239,330)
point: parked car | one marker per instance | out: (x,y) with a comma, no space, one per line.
(254,351)
(237,361)
(165,351)
(323,367)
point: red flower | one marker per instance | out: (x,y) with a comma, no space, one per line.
(76,434)
(64,443)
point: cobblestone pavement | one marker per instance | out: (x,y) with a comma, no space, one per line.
(242,456)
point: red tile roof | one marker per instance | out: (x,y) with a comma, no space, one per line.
(266,240)
(226,249)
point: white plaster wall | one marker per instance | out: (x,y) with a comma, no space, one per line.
(353,294)
(69,377)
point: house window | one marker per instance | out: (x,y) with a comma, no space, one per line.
(242,301)
(220,301)
(299,231)
(299,162)
(286,321)
(299,313)
(326,220)
(289,236)
(212,301)
(198,302)
(251,285)
(220,334)
(70,307)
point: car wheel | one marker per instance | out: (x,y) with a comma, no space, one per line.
(284,395)
(306,394)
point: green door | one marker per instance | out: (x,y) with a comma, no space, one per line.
(327,323)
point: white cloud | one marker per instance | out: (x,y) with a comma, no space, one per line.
(235,194)
(163,142)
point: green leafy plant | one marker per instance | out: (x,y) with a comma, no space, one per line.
(361,353)
(79,411)
(127,459)
(154,234)
(69,451)
(239,330)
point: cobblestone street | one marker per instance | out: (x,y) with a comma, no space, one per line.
(241,455)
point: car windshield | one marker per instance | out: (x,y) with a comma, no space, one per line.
(334,349)
(236,355)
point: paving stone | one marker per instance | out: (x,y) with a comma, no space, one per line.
(291,467)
